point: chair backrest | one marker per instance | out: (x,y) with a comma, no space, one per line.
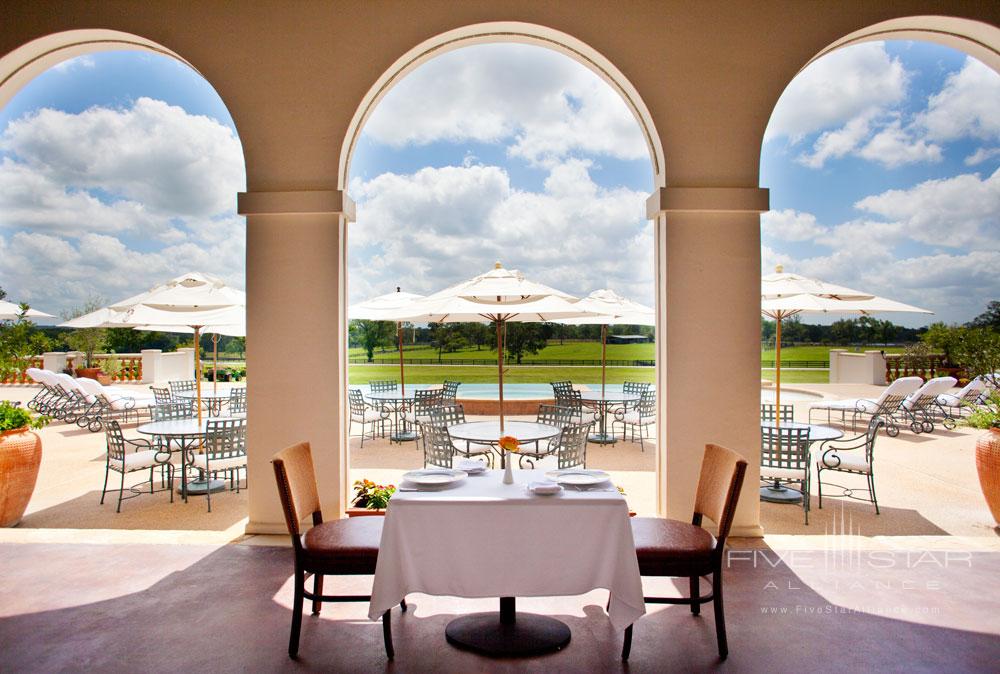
(769,413)
(66,383)
(570,446)
(722,473)
(647,405)
(424,400)
(182,386)
(635,387)
(559,386)
(382,385)
(293,471)
(450,391)
(784,447)
(90,388)
(116,440)
(238,400)
(438,447)
(447,415)
(225,438)
(974,392)
(161,395)
(357,403)
(903,386)
(929,392)
(572,399)
(553,415)
(34,373)
(173,411)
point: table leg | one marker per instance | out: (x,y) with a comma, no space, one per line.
(602,437)
(196,487)
(402,434)
(508,634)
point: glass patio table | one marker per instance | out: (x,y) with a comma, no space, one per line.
(779,493)
(488,432)
(602,402)
(188,434)
(213,401)
(397,402)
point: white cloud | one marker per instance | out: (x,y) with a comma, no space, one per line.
(967,106)
(75,63)
(438,226)
(894,146)
(962,211)
(790,225)
(836,144)
(982,154)
(548,105)
(833,90)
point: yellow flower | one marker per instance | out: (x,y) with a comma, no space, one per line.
(510,443)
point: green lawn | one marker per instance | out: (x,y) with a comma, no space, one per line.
(435,374)
(820,352)
(798,376)
(574,351)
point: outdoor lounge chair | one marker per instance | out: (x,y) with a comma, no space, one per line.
(921,405)
(851,455)
(54,395)
(972,394)
(110,402)
(341,547)
(44,392)
(886,405)
(74,402)
(784,459)
(673,548)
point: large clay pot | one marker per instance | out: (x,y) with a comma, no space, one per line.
(20,456)
(88,372)
(364,512)
(988,466)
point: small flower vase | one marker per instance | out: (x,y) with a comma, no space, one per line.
(508,475)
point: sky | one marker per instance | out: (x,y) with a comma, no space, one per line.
(120,169)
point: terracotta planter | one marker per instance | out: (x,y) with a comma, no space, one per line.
(364,512)
(20,456)
(103,379)
(88,372)
(988,466)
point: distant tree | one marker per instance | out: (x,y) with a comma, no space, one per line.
(989,318)
(125,340)
(371,335)
(3,294)
(477,333)
(843,331)
(977,350)
(943,339)
(19,340)
(448,337)
(87,340)
(522,338)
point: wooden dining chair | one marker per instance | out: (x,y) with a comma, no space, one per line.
(678,549)
(337,548)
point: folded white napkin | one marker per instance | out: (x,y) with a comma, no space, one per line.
(471,465)
(544,487)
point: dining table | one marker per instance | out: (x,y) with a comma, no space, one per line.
(489,433)
(603,401)
(479,537)
(396,402)
(185,436)
(213,401)
(779,493)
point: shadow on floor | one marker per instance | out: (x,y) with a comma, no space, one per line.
(845,516)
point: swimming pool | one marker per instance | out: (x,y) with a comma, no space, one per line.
(544,392)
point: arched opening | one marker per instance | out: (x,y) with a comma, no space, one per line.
(883,160)
(528,36)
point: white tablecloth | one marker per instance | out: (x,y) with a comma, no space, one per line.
(483,538)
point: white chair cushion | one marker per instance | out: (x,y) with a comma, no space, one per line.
(782,473)
(137,460)
(847,462)
(411,418)
(219,464)
(634,418)
(367,418)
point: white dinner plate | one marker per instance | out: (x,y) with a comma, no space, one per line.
(435,477)
(578,476)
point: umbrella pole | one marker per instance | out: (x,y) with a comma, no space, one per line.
(399,338)
(500,367)
(604,356)
(215,364)
(777,372)
(197,368)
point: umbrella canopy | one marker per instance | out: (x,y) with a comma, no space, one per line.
(499,295)
(388,307)
(613,309)
(11,312)
(783,295)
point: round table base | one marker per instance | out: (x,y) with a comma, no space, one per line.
(202,487)
(403,436)
(602,438)
(780,494)
(528,635)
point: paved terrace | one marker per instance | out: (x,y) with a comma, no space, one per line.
(170,585)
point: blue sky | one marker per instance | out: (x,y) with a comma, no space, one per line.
(120,169)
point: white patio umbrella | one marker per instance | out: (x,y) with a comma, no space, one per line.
(499,295)
(784,294)
(613,309)
(11,312)
(388,307)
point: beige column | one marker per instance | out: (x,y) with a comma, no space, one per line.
(295,282)
(708,246)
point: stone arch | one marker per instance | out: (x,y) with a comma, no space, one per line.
(493,32)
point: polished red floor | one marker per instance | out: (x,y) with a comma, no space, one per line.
(186,608)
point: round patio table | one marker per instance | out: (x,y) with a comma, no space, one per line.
(397,402)
(488,432)
(214,401)
(779,493)
(188,433)
(602,402)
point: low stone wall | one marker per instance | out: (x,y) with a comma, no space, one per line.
(511,407)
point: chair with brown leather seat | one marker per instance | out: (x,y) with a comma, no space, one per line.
(678,549)
(337,548)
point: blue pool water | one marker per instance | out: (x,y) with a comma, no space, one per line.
(543,391)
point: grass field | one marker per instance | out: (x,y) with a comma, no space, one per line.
(575,350)
(435,374)
(798,376)
(820,352)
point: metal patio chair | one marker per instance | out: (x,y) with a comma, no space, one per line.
(439,448)
(784,459)
(238,400)
(424,400)
(382,385)
(570,446)
(768,412)
(364,414)
(143,456)
(641,416)
(855,456)
(224,450)
(553,415)
(449,415)
(449,392)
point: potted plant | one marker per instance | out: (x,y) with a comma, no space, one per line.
(111,369)
(370,498)
(88,341)
(20,456)
(987,417)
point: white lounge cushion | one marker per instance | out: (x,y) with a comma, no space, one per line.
(129,404)
(137,460)
(200,461)
(847,462)
(782,473)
